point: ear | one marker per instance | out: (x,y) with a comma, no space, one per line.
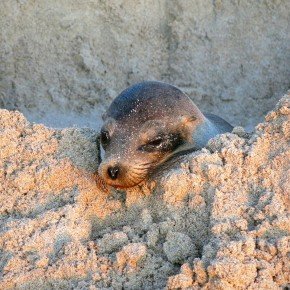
(187,120)
(104,116)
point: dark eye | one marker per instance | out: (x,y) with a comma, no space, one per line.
(105,138)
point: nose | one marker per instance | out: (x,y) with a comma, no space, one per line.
(113,172)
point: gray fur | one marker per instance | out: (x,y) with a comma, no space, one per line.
(213,126)
(221,125)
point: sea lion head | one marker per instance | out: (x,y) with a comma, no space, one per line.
(144,126)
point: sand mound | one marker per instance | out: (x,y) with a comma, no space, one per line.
(218,220)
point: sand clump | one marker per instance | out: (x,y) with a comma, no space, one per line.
(216,219)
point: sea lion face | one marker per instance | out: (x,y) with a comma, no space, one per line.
(142,128)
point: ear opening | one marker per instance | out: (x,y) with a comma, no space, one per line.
(104,116)
(185,120)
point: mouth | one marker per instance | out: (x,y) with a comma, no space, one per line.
(123,185)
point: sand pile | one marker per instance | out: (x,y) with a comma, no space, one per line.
(217,220)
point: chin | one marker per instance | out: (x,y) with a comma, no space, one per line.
(123,185)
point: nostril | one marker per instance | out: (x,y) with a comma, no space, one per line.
(113,172)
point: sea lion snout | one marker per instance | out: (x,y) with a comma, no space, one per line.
(110,171)
(121,173)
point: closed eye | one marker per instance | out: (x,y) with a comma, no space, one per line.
(155,142)
(153,145)
(166,143)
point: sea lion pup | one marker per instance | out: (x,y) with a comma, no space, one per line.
(145,125)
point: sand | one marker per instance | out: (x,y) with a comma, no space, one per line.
(214,219)
(63,61)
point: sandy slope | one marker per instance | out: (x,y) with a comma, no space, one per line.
(217,220)
(63,61)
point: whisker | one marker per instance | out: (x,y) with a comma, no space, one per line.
(139,169)
(135,179)
(130,179)
(137,175)
(143,167)
(146,163)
